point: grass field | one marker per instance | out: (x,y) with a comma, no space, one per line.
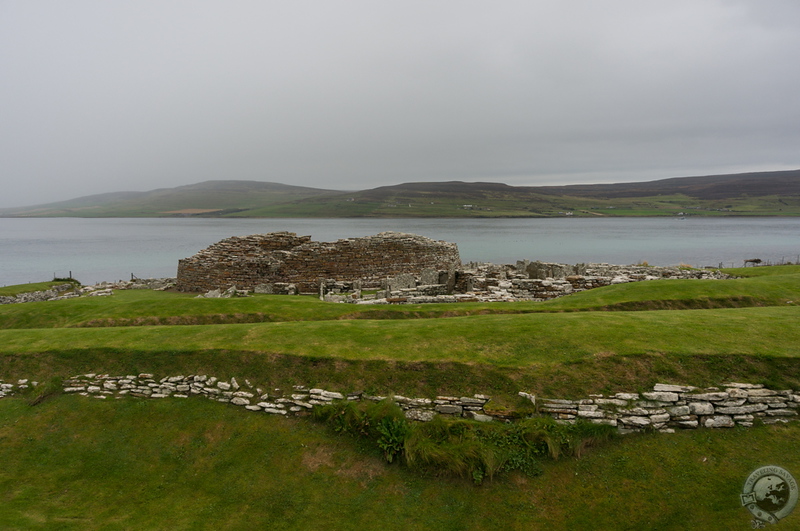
(77,463)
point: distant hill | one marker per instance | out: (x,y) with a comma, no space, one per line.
(708,187)
(762,193)
(206,198)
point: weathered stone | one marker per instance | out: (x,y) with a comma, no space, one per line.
(558,401)
(478,416)
(732,403)
(448,409)
(743,385)
(741,410)
(243,394)
(240,401)
(737,393)
(627,396)
(707,397)
(766,399)
(673,388)
(781,412)
(611,402)
(640,422)
(331,395)
(664,417)
(591,414)
(637,412)
(719,421)
(466,401)
(701,408)
(560,411)
(679,411)
(761,392)
(424,415)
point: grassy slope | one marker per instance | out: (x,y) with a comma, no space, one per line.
(724,195)
(75,463)
(762,286)
(512,205)
(10,291)
(506,340)
(495,348)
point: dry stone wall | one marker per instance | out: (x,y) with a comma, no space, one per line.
(666,408)
(262,261)
(670,407)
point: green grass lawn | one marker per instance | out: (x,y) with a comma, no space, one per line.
(506,340)
(761,286)
(85,464)
(79,463)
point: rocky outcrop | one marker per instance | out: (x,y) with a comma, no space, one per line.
(282,258)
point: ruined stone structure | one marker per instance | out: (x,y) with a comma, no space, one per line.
(273,262)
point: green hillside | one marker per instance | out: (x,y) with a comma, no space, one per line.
(211,198)
(751,194)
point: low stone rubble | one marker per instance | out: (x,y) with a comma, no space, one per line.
(61,291)
(103,289)
(525,281)
(666,408)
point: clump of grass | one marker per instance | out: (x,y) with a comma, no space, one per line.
(479,451)
(49,389)
(462,448)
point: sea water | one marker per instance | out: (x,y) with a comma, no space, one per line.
(94,250)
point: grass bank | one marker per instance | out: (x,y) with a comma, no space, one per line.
(501,340)
(84,464)
(77,463)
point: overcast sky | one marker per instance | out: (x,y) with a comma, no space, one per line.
(103,96)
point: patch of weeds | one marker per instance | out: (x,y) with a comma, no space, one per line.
(393,435)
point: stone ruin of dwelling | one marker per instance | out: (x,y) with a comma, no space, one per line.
(282,262)
(396,267)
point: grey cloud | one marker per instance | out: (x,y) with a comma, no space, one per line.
(100,96)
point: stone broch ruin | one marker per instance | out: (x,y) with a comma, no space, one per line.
(397,267)
(269,262)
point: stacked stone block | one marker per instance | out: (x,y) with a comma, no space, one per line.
(670,407)
(283,257)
